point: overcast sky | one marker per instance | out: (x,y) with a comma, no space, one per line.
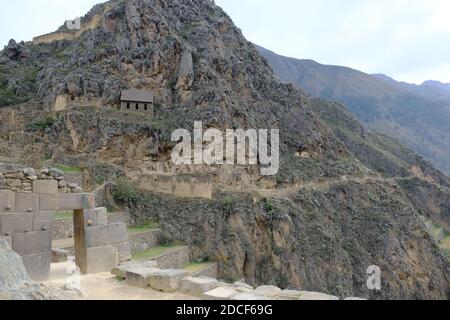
(406,39)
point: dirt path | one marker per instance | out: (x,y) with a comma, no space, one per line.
(322,186)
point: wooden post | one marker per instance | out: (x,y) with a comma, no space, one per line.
(80,240)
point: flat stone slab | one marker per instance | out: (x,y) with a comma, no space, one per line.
(139,276)
(249,297)
(220,293)
(306,295)
(289,295)
(198,286)
(121,270)
(241,284)
(167,280)
(269,291)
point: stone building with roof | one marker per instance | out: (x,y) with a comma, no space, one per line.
(137,100)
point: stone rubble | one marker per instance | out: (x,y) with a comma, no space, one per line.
(147,275)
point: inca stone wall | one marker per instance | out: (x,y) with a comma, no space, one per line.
(27,180)
(28,201)
(183,186)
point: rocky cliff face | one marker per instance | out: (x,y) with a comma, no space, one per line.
(317,225)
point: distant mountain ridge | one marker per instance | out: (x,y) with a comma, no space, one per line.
(419,116)
(429,89)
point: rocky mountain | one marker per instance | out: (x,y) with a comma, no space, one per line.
(419,116)
(341,202)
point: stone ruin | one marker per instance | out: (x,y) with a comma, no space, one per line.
(28,202)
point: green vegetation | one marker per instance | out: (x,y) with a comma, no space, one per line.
(155,252)
(196,266)
(17,83)
(41,124)
(268,205)
(67,169)
(148,224)
(125,192)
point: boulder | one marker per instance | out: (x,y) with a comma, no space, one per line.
(198,286)
(139,276)
(167,280)
(29,172)
(220,293)
(13,274)
(268,291)
(249,297)
(305,295)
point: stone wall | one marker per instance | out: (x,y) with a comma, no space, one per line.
(28,201)
(137,106)
(17,178)
(183,186)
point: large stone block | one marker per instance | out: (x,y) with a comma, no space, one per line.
(220,293)
(45,186)
(75,201)
(123,251)
(117,232)
(66,201)
(120,271)
(15,223)
(38,265)
(97,236)
(268,291)
(32,242)
(24,202)
(48,202)
(167,280)
(100,259)
(248,296)
(198,286)
(6,201)
(139,276)
(95,217)
(43,220)
(306,295)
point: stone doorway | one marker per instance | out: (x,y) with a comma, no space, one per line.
(26,220)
